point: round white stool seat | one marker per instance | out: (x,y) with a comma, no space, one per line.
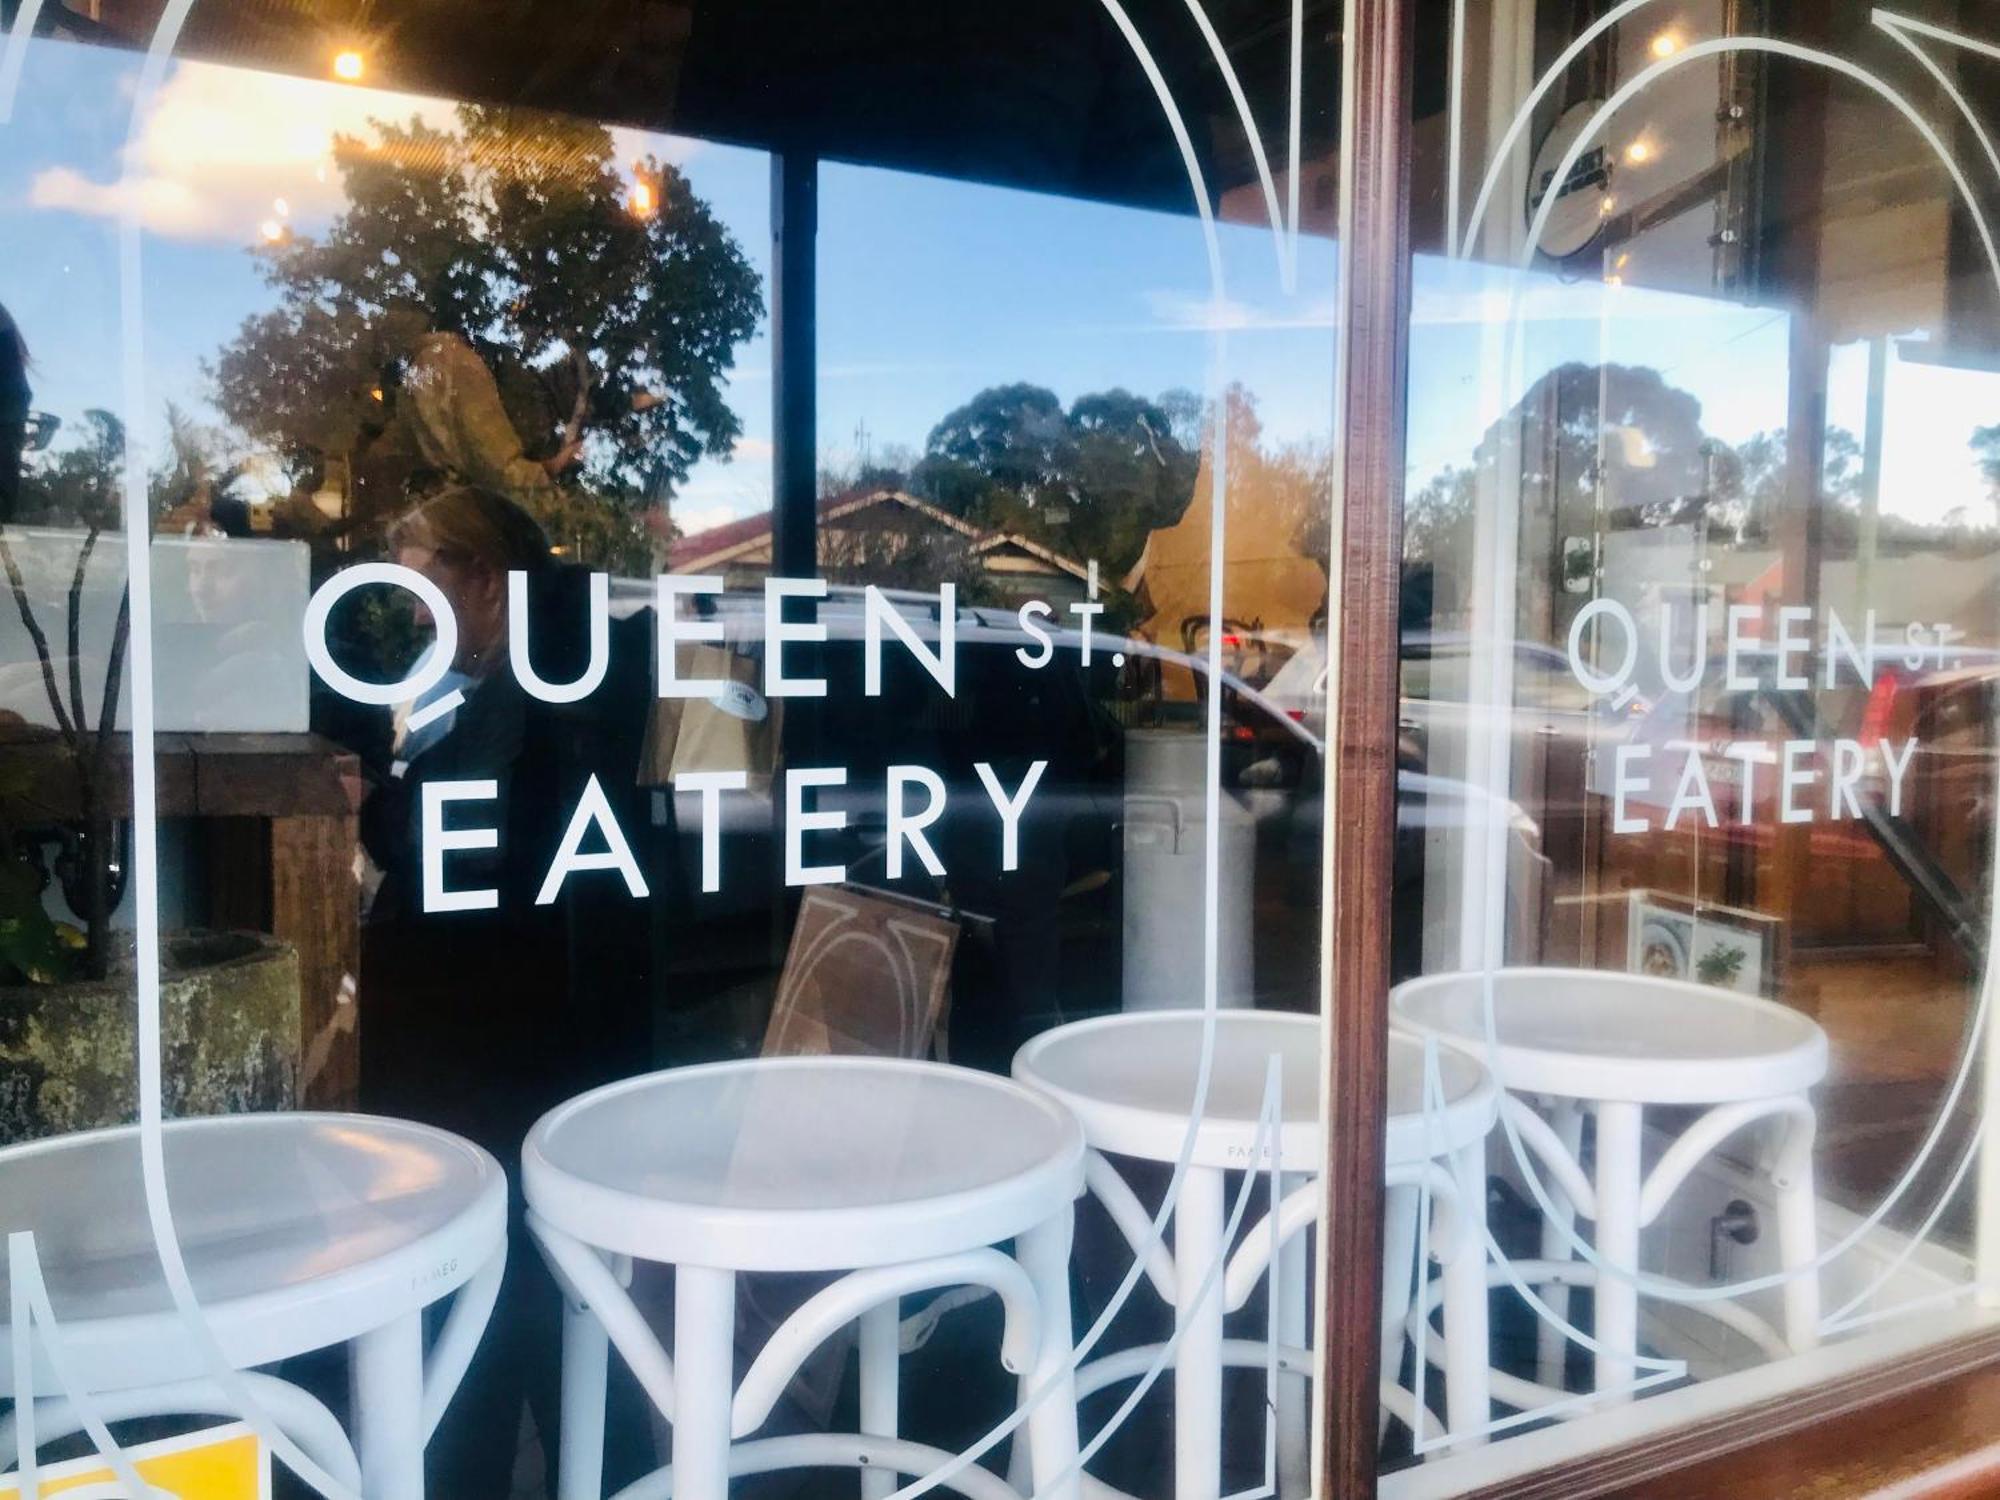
(299,1231)
(1611,1036)
(1131,1080)
(906,1176)
(802,1163)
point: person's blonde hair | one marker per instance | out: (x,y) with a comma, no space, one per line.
(469,524)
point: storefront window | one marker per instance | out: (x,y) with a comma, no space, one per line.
(1699,549)
(673,732)
(665,712)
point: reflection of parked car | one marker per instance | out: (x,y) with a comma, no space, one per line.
(1042,943)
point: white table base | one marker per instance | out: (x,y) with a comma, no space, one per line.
(1201,1250)
(712,1415)
(397,1397)
(1622,1199)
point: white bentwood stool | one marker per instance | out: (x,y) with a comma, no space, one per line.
(904,1174)
(299,1232)
(1131,1080)
(1587,1041)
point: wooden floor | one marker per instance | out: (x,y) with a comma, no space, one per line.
(1895,1031)
(1945,1443)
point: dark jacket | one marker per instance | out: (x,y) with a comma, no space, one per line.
(479,1021)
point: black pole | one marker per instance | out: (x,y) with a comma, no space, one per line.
(794,363)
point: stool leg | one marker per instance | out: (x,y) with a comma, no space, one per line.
(386,1378)
(1399,1250)
(1291,1290)
(1551,1343)
(1051,1428)
(704,1380)
(1199,1221)
(881,1336)
(1467,1356)
(586,1355)
(1618,1142)
(1798,1235)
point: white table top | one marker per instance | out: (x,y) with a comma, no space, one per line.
(1599,1034)
(298,1231)
(1131,1080)
(802,1163)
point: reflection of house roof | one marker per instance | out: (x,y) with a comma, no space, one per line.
(748,541)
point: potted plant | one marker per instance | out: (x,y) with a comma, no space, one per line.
(229,1002)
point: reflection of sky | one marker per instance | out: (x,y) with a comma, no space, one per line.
(1731,358)
(930,290)
(1929,413)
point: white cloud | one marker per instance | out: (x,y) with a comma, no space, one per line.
(219,147)
(1180,312)
(695,519)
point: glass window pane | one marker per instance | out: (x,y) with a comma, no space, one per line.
(1700,387)
(727,615)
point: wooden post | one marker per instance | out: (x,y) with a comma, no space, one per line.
(1360,836)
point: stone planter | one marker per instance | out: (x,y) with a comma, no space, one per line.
(229,1039)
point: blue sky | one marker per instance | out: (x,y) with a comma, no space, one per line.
(929,291)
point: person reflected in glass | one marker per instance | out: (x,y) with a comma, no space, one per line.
(468,1021)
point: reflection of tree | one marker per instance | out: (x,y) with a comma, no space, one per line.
(1986,449)
(608,316)
(1623,435)
(1089,481)
(193,489)
(1579,429)
(79,485)
(1753,489)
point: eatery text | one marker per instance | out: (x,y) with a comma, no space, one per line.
(914,796)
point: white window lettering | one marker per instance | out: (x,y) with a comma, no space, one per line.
(1848,762)
(905,826)
(1898,766)
(1028,614)
(711,785)
(942,665)
(439,841)
(517,641)
(1746,754)
(778,633)
(1839,643)
(672,630)
(1791,644)
(592,809)
(1693,794)
(1791,777)
(1010,808)
(799,822)
(1735,680)
(1624,783)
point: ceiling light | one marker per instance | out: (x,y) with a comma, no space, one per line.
(347,66)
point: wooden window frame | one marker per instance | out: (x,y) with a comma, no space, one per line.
(1786,1433)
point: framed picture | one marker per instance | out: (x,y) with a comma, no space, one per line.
(1726,946)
